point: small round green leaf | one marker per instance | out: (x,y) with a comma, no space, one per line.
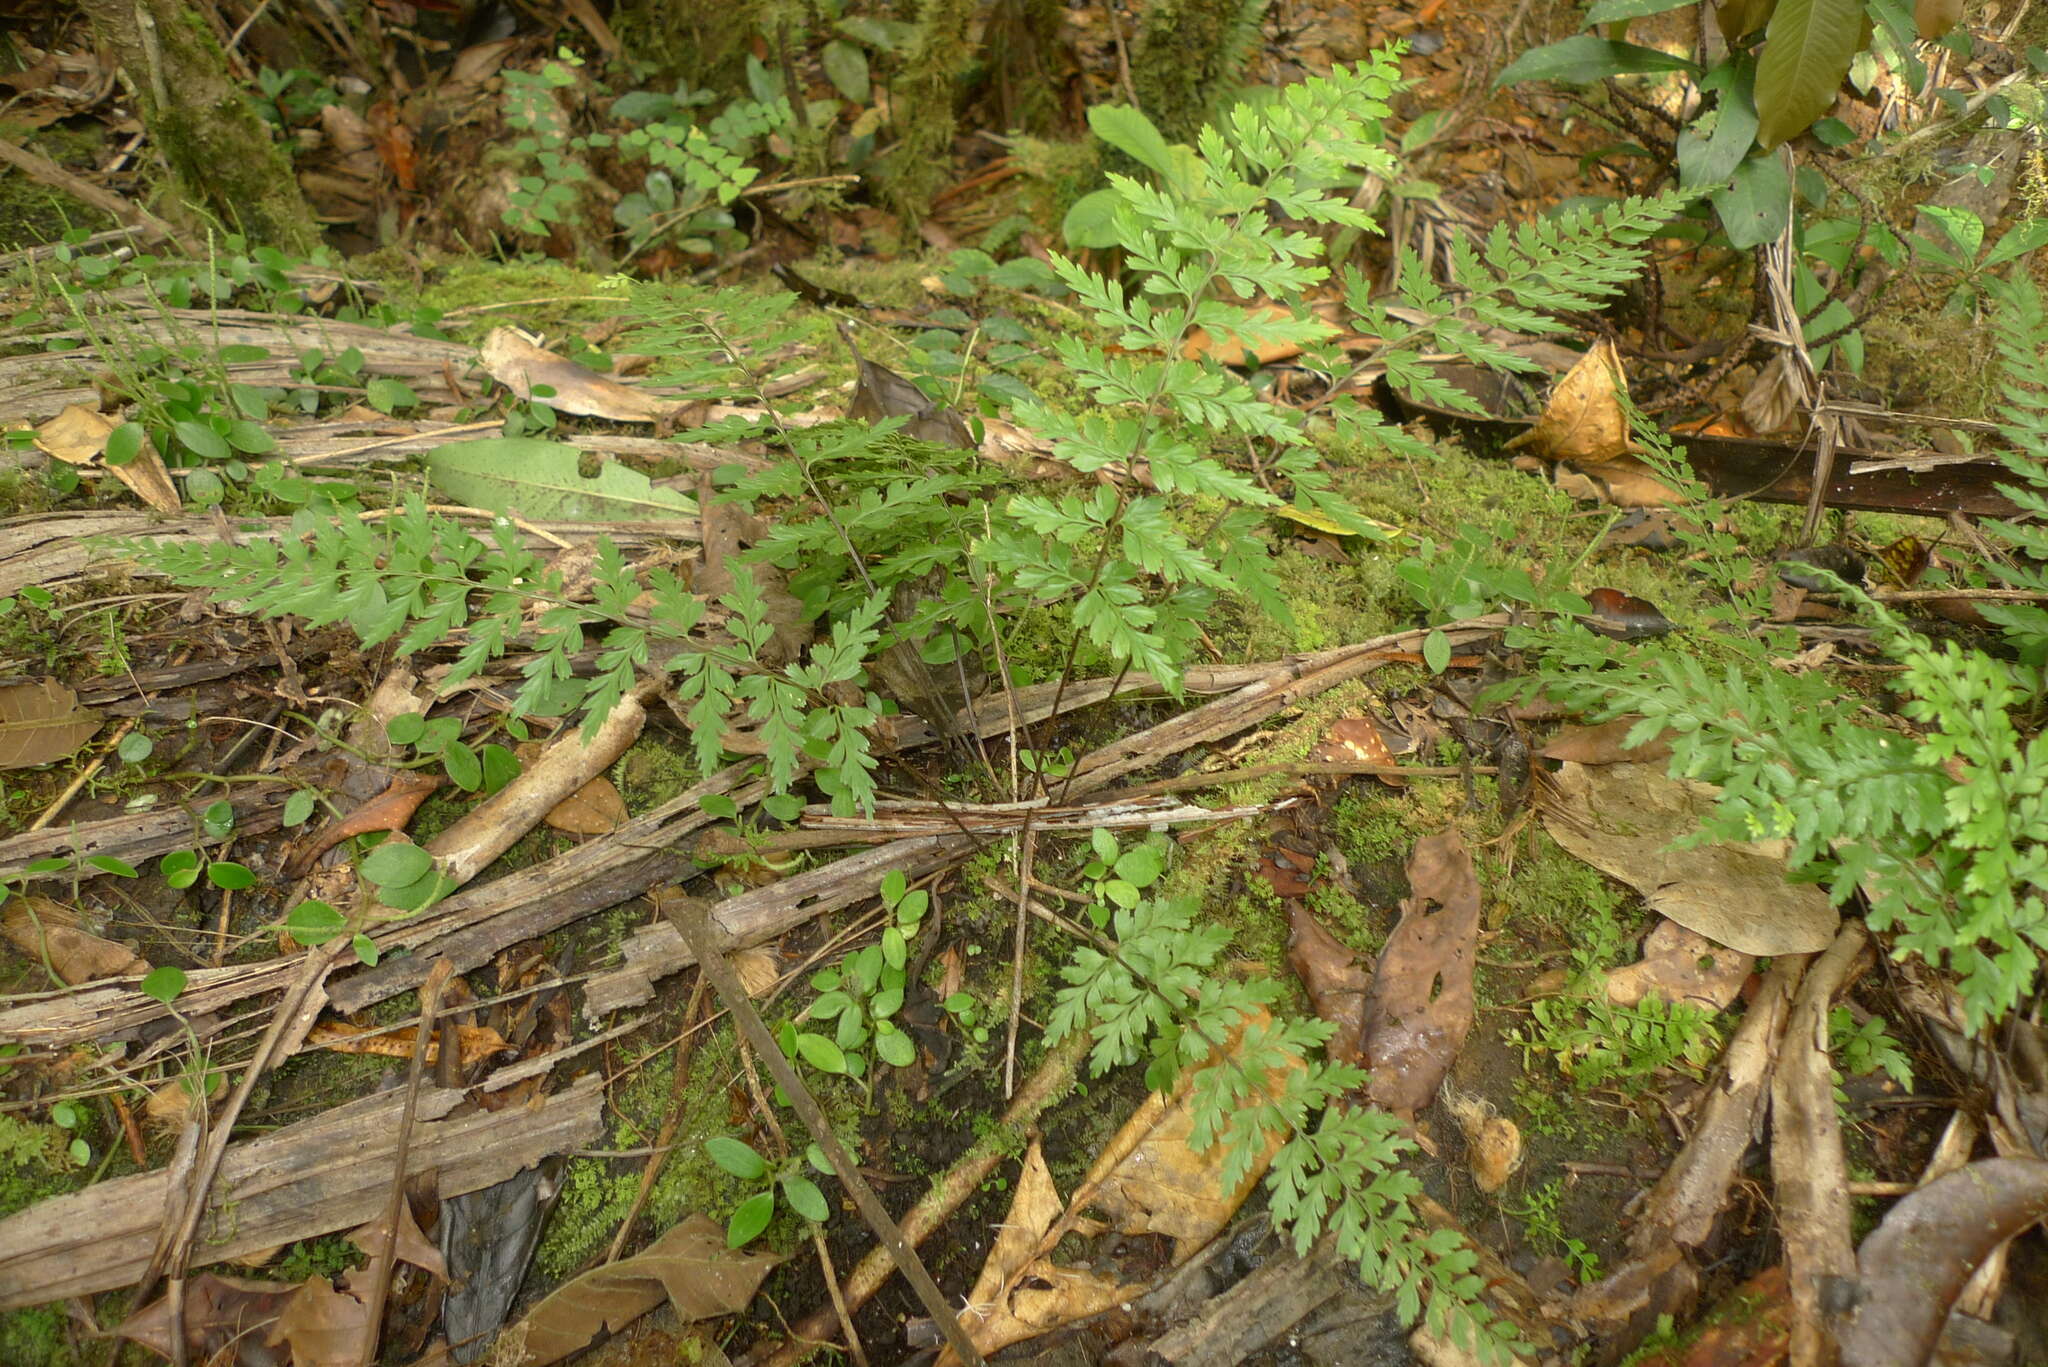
(750,1219)
(299,807)
(396,864)
(805,1198)
(218,820)
(405,728)
(895,951)
(135,748)
(1436,652)
(366,950)
(501,766)
(229,876)
(164,983)
(896,1049)
(314,923)
(465,770)
(718,806)
(736,1157)
(821,1053)
(124,444)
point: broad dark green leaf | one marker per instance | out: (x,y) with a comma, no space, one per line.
(1585,58)
(1756,207)
(1613,11)
(1709,157)
(846,66)
(1807,49)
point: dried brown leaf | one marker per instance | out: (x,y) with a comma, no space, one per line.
(41,723)
(1335,980)
(1604,744)
(49,933)
(322,1326)
(219,1312)
(594,809)
(1623,819)
(1420,1006)
(1583,421)
(1356,740)
(1680,965)
(689,1266)
(478,1042)
(519,365)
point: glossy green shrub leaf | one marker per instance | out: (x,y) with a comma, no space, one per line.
(1757,206)
(1807,49)
(1130,132)
(1585,59)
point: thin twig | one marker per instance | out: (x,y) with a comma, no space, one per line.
(686,1050)
(693,923)
(384,1261)
(1027,850)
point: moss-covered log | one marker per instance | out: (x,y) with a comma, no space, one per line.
(223,161)
(1187,57)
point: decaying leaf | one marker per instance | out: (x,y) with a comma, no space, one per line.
(1420,1005)
(479,1042)
(322,1326)
(77,435)
(1606,744)
(519,365)
(170,1103)
(1914,1266)
(1583,421)
(1623,818)
(689,1266)
(219,1312)
(1020,1295)
(594,809)
(1680,965)
(1932,18)
(1626,617)
(412,1246)
(1356,740)
(1335,980)
(391,810)
(549,479)
(880,392)
(758,971)
(48,932)
(41,723)
(1149,1180)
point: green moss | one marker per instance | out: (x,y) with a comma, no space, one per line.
(36,1338)
(1187,57)
(926,98)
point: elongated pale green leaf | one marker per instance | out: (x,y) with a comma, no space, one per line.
(1585,58)
(1807,50)
(1755,208)
(544,479)
(1612,11)
(1131,133)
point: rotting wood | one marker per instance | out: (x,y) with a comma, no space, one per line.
(1278,1295)
(328,1173)
(137,836)
(1809,1171)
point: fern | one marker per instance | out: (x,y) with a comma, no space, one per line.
(425,572)
(1158,991)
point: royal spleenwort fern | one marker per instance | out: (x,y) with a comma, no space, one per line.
(1161,992)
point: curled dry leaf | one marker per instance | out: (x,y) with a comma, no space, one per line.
(391,810)
(1583,421)
(49,933)
(880,392)
(41,723)
(77,435)
(412,1245)
(322,1326)
(594,809)
(690,1267)
(1623,819)
(1020,1295)
(1420,1005)
(1916,1263)
(519,365)
(479,1042)
(1680,965)
(1606,744)
(1626,617)
(758,971)
(170,1104)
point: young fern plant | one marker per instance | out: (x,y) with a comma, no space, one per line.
(419,580)
(1160,991)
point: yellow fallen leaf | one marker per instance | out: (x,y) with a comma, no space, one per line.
(1583,421)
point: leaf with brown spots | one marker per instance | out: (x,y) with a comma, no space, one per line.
(1356,740)
(1420,1005)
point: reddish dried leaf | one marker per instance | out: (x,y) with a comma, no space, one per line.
(1336,982)
(1356,740)
(1680,965)
(219,1312)
(1420,1005)
(412,1246)
(323,1327)
(391,810)
(479,1042)
(1287,871)
(1627,617)
(1603,744)
(594,809)
(48,932)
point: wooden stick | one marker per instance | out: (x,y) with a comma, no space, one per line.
(694,924)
